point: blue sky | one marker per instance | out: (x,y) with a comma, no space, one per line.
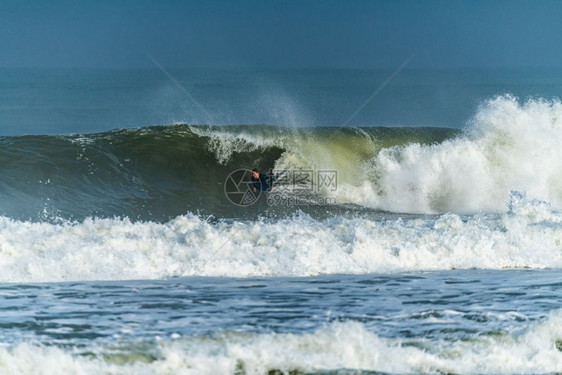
(281,34)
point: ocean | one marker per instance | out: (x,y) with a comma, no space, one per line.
(421,234)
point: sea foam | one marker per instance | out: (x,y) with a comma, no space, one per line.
(507,146)
(530,235)
(341,345)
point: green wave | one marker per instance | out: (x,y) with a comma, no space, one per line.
(160,172)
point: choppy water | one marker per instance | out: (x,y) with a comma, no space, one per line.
(438,251)
(470,321)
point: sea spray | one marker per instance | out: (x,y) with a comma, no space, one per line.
(509,146)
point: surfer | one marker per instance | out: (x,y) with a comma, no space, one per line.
(260,181)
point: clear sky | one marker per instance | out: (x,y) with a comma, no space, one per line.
(296,34)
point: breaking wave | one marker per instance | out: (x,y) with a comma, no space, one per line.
(338,348)
(161,172)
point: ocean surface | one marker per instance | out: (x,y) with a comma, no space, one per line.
(420,234)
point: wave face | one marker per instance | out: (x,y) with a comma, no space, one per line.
(528,236)
(160,172)
(329,350)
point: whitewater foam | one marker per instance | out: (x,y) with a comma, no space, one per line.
(508,146)
(112,249)
(342,345)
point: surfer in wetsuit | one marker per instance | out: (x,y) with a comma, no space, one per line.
(261,182)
